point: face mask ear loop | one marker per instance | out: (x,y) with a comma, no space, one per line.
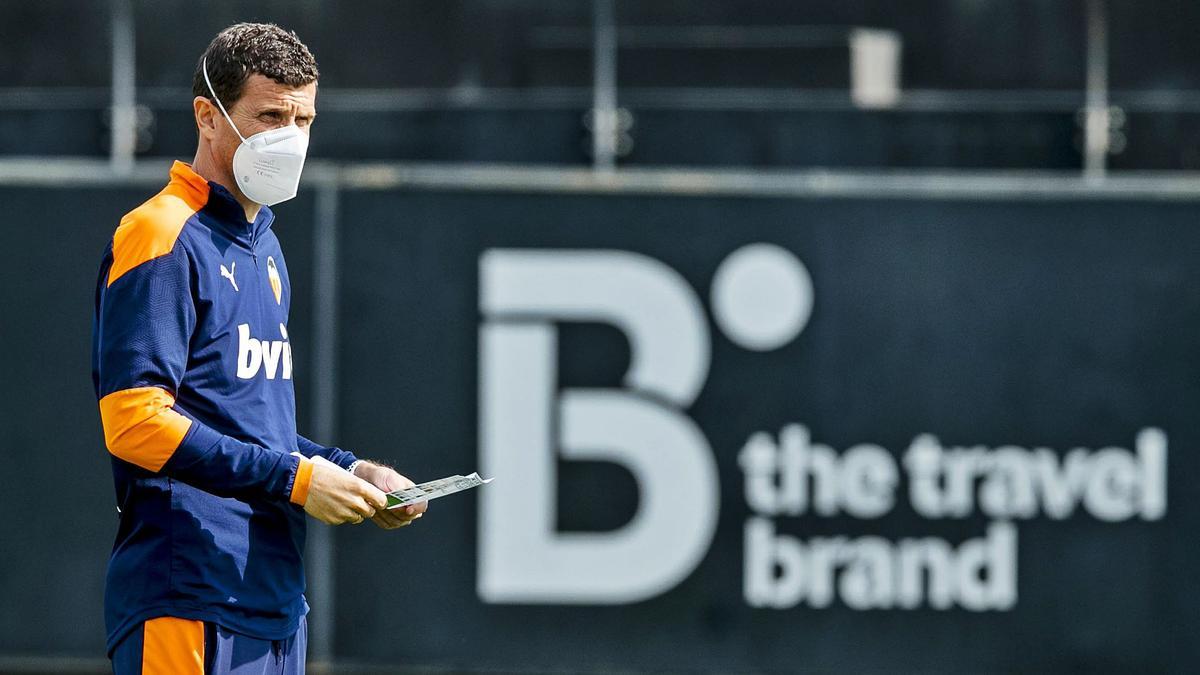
(204,68)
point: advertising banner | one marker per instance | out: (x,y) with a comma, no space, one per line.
(774,434)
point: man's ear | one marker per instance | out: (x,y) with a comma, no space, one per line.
(207,117)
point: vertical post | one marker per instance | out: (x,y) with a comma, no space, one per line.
(124,92)
(319,562)
(1096,131)
(604,86)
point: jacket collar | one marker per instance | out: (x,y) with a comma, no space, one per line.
(225,214)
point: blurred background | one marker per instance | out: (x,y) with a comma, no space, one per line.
(648,262)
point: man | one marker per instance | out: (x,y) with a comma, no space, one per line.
(193,371)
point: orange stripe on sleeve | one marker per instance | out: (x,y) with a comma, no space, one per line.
(172,646)
(150,230)
(303,480)
(141,427)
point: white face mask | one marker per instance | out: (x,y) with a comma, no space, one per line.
(267,165)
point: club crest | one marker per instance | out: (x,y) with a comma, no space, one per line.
(276,282)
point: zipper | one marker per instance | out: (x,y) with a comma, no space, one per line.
(254,244)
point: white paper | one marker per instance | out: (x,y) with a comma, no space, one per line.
(434,489)
(424,491)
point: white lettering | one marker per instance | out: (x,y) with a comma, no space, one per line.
(271,351)
(249,353)
(861,483)
(287,353)
(254,355)
(781,571)
(642,427)
(1111,484)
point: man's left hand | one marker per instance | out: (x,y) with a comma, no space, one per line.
(387,479)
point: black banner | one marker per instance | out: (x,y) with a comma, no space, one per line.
(914,435)
(728,434)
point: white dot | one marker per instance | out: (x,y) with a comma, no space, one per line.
(762,296)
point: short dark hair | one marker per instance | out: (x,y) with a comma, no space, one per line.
(246,48)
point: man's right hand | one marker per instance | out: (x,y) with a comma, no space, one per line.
(336,496)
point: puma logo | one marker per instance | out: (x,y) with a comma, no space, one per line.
(228,273)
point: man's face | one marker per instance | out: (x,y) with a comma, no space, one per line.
(264,105)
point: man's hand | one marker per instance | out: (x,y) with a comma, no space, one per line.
(336,497)
(386,479)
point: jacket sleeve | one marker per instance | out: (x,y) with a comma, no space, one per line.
(308,448)
(145,319)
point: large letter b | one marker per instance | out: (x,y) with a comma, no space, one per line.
(524,419)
